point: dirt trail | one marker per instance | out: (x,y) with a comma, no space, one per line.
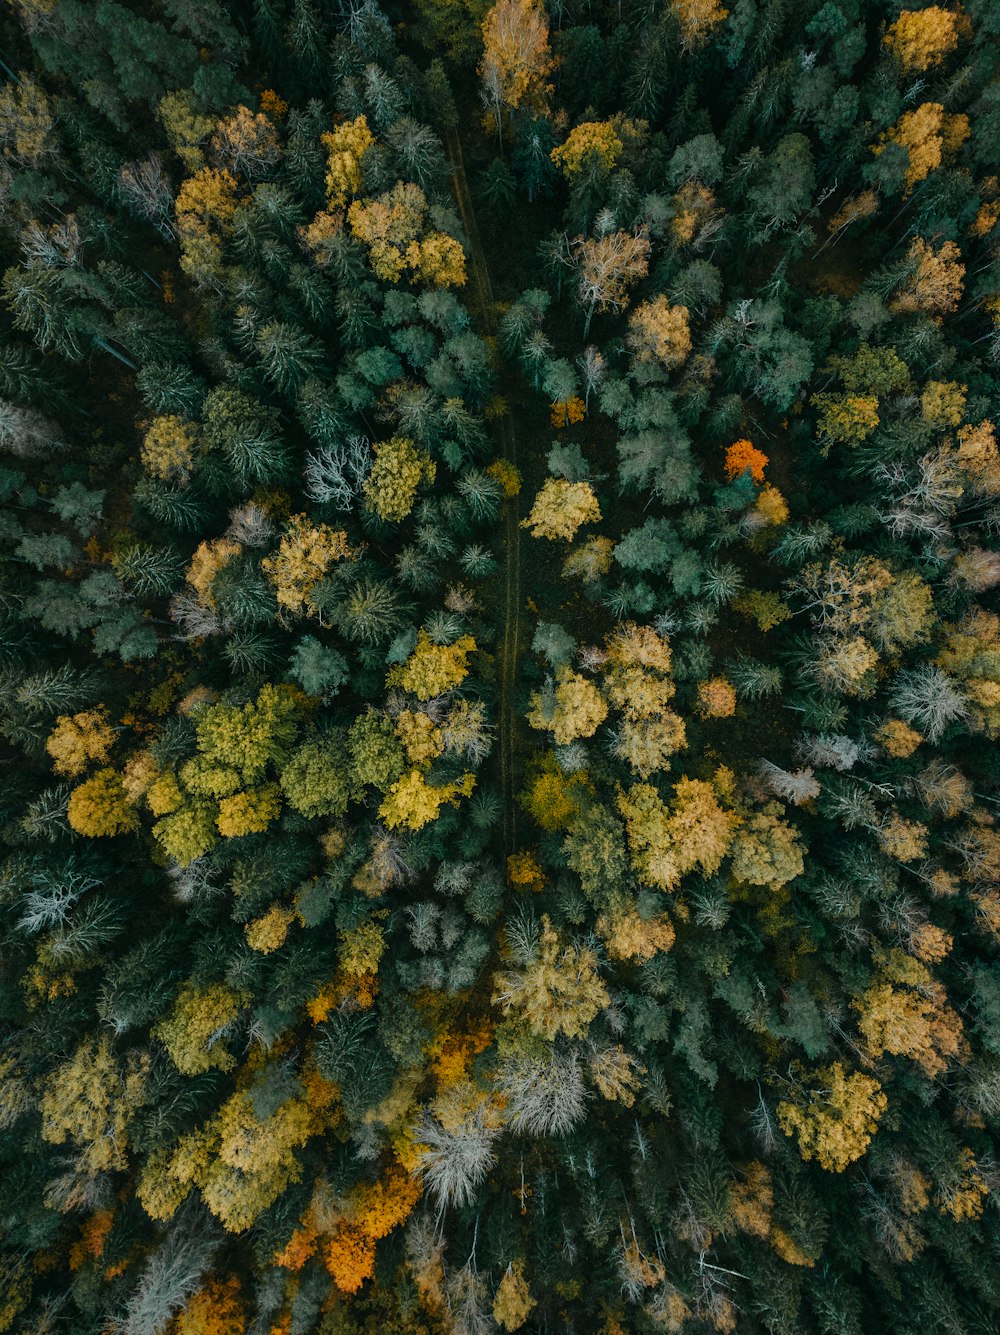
(481,300)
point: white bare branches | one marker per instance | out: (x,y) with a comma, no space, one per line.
(929,699)
(458,1141)
(544,1098)
(795,786)
(335,474)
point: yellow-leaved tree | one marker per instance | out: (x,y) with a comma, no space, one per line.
(204,208)
(921,38)
(413,802)
(590,141)
(972,656)
(659,332)
(346,146)
(927,133)
(194,1029)
(89,1100)
(571,708)
(560,508)
(905,1011)
(667,843)
(168,448)
(399,468)
(394,227)
(607,266)
(99,807)
(833,1115)
(767,850)
(638,684)
(513,1302)
(216,1309)
(556,988)
(79,740)
(697,19)
(304,555)
(432,669)
(247,143)
(242,1159)
(935,285)
(516,58)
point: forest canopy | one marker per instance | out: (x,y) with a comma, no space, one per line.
(500,651)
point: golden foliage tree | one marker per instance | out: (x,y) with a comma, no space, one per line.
(27,121)
(558,991)
(304,555)
(186,128)
(205,205)
(208,559)
(399,468)
(216,1309)
(89,1100)
(942,402)
(168,448)
(590,560)
(249,812)
(906,1012)
(846,419)
(961,1192)
(99,807)
(628,936)
(193,1029)
(659,332)
(767,850)
(516,58)
(552,798)
(667,843)
(513,1302)
(935,287)
(833,1116)
(560,508)
(921,38)
(573,708)
(346,146)
(697,19)
(433,669)
(79,740)
(972,655)
(638,684)
(270,931)
(413,802)
(928,134)
(247,143)
(716,698)
(607,266)
(394,229)
(589,141)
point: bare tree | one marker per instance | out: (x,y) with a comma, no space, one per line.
(929,699)
(544,1097)
(607,266)
(457,1145)
(249,524)
(28,434)
(796,786)
(335,474)
(145,187)
(172,1274)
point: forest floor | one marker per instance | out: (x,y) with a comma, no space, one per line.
(483,305)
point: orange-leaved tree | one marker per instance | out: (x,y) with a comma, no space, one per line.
(743,455)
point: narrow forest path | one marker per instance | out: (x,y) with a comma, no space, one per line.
(482,303)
